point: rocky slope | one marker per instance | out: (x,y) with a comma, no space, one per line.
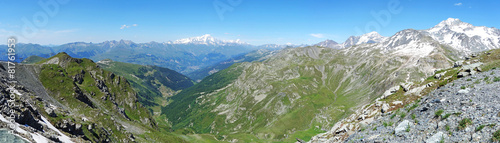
(73,100)
(465,110)
(445,105)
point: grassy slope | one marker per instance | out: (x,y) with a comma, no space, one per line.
(32,59)
(347,83)
(57,80)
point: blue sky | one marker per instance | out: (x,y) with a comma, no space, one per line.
(253,21)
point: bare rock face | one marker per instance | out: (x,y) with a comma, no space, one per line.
(69,126)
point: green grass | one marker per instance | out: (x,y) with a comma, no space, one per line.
(480,128)
(495,136)
(438,113)
(393,115)
(496,79)
(413,107)
(446,116)
(403,115)
(464,123)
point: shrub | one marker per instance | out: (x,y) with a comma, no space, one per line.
(385,124)
(413,107)
(492,125)
(413,116)
(462,87)
(480,128)
(408,128)
(403,115)
(447,127)
(446,116)
(496,136)
(393,115)
(463,123)
(496,79)
(438,113)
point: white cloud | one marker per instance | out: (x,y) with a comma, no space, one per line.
(458,4)
(128,26)
(317,35)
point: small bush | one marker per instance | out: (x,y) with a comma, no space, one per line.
(374,129)
(413,116)
(496,136)
(492,125)
(447,127)
(403,115)
(408,128)
(413,106)
(390,123)
(480,128)
(496,79)
(462,87)
(463,123)
(393,115)
(446,116)
(385,124)
(438,113)
(469,79)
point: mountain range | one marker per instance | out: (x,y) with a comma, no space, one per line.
(233,91)
(298,92)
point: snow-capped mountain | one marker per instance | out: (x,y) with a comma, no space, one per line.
(372,37)
(368,38)
(330,44)
(207,39)
(464,36)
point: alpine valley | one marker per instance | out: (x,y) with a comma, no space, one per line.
(203,89)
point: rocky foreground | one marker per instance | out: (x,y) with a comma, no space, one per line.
(466,110)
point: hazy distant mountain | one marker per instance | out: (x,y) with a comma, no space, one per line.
(208,40)
(329,44)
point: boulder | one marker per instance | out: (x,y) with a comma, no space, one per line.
(463,74)
(50,112)
(406,86)
(401,128)
(430,84)
(437,76)
(458,64)
(385,108)
(435,138)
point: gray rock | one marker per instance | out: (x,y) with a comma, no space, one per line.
(458,64)
(50,111)
(401,128)
(385,108)
(463,74)
(435,138)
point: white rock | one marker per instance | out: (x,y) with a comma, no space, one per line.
(402,127)
(435,138)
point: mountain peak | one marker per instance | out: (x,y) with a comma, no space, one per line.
(451,22)
(207,39)
(329,43)
(372,37)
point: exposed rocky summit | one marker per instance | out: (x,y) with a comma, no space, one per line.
(465,110)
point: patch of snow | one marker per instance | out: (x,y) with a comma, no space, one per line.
(62,137)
